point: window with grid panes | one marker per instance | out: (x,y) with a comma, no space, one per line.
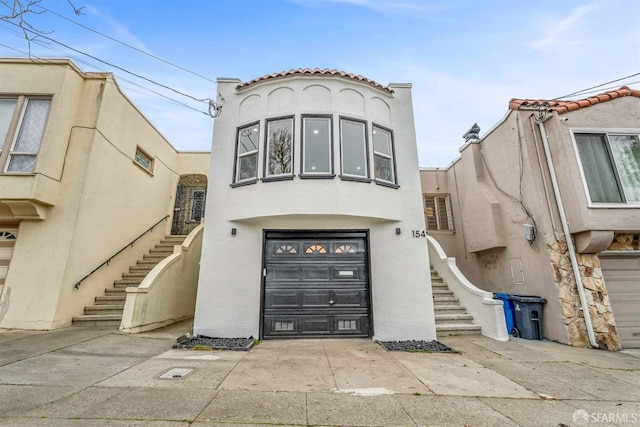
(437,211)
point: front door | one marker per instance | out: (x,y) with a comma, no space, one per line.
(316,284)
(189,206)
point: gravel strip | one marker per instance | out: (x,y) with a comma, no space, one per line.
(417,346)
(242,344)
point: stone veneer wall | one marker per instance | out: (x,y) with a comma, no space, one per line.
(604,325)
(625,242)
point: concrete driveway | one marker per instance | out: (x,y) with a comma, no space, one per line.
(83,376)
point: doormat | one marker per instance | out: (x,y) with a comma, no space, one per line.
(200,342)
(417,346)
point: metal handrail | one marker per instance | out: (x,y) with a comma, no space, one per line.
(79,282)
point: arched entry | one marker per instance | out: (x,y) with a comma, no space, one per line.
(188,210)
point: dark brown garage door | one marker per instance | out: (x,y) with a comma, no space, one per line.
(316,284)
(622,278)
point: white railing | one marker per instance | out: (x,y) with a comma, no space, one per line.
(168,294)
(486,311)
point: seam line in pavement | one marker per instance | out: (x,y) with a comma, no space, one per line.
(395,397)
(335,383)
(231,370)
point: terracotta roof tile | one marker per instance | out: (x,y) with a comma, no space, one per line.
(315,72)
(564,106)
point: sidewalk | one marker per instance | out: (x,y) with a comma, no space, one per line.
(82,376)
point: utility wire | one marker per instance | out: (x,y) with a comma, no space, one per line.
(91,65)
(594,87)
(40,35)
(127,45)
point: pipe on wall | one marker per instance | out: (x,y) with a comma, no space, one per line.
(565,228)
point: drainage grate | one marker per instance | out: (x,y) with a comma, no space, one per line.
(417,346)
(176,373)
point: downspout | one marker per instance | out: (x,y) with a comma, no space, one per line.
(565,228)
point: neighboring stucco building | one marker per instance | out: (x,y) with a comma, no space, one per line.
(551,193)
(313,217)
(83,173)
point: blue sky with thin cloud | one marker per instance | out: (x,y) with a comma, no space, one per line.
(466,59)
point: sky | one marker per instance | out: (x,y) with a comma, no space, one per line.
(465,58)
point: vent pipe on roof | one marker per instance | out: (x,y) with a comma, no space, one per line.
(542,117)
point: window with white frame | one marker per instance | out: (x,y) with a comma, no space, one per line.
(611,165)
(437,212)
(279,151)
(22,123)
(383,155)
(317,146)
(246,169)
(353,140)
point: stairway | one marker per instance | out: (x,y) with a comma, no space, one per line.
(451,317)
(107,310)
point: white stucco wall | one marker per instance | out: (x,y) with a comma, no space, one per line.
(228,302)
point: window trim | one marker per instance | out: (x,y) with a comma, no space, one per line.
(383,182)
(282,176)
(317,175)
(606,132)
(146,154)
(239,183)
(451,223)
(350,177)
(7,145)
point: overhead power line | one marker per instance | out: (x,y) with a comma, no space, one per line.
(127,45)
(582,92)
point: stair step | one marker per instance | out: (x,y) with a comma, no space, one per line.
(439,285)
(112,299)
(449,309)
(450,330)
(104,309)
(135,274)
(443,292)
(113,292)
(453,319)
(444,299)
(163,251)
(146,268)
(135,281)
(98,320)
(149,261)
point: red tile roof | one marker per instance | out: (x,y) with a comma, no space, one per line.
(315,72)
(564,106)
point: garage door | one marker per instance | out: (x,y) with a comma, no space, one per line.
(622,278)
(316,284)
(7,241)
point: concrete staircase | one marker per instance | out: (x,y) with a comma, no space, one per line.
(107,310)
(451,317)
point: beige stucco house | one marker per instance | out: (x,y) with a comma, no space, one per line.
(82,174)
(548,203)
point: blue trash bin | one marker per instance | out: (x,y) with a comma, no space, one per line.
(509,314)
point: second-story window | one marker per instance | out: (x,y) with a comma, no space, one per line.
(22,124)
(279,151)
(317,146)
(246,168)
(383,156)
(353,140)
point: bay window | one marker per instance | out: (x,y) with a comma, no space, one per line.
(611,165)
(383,156)
(317,146)
(22,124)
(353,140)
(279,149)
(246,166)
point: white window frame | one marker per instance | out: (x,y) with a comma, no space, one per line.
(239,156)
(605,131)
(392,157)
(140,152)
(15,126)
(439,227)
